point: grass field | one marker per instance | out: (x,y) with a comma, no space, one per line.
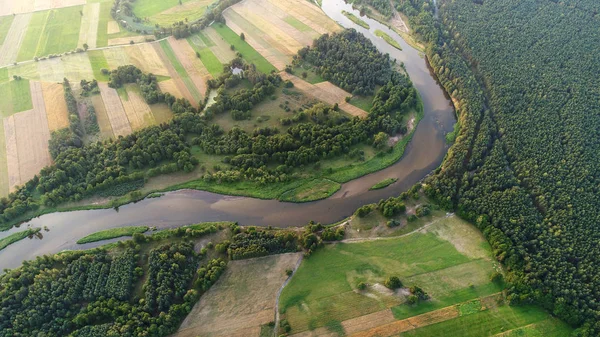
(324,290)
(248,53)
(98,62)
(201,44)
(51,32)
(112,233)
(166,12)
(166,47)
(297,24)
(9,240)
(4,186)
(104,18)
(16,97)
(315,190)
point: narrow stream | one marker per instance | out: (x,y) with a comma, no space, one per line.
(423,154)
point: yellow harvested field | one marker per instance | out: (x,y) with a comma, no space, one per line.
(326,92)
(88,32)
(257,41)
(113,28)
(102,117)
(367,322)
(229,309)
(181,87)
(222,49)
(192,64)
(145,58)
(138,112)
(127,40)
(116,57)
(171,87)
(14,38)
(309,14)
(56,106)
(115,111)
(12,153)
(9,7)
(397,327)
(31,128)
(284,41)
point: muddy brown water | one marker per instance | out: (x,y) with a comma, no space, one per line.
(423,154)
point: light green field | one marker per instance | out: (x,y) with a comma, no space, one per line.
(112,233)
(315,190)
(505,320)
(299,25)
(208,58)
(5,23)
(51,32)
(98,62)
(16,97)
(147,8)
(166,47)
(248,53)
(102,38)
(323,291)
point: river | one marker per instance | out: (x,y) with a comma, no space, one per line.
(423,154)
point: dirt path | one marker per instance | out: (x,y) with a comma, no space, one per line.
(418,230)
(396,20)
(275,330)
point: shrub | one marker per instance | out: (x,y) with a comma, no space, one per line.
(362,286)
(393,282)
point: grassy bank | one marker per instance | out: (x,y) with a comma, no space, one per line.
(314,190)
(112,233)
(388,39)
(383,184)
(9,240)
(356,19)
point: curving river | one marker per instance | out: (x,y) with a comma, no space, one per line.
(423,154)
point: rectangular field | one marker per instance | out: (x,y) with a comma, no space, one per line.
(194,68)
(88,32)
(14,39)
(324,291)
(51,32)
(184,77)
(56,106)
(138,112)
(32,135)
(104,18)
(145,58)
(4,187)
(5,23)
(106,131)
(242,300)
(207,57)
(191,10)
(10,7)
(16,97)
(115,111)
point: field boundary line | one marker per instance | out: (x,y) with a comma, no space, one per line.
(285,283)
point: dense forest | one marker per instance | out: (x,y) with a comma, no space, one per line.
(524,167)
(264,155)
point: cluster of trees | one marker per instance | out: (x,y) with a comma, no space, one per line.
(382,6)
(349,60)
(254,243)
(524,165)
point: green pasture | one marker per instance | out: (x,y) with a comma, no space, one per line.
(248,53)
(16,97)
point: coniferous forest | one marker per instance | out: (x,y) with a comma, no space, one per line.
(524,168)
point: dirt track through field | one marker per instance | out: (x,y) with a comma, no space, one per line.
(12,153)
(174,75)
(127,40)
(14,39)
(115,111)
(56,106)
(89,25)
(326,92)
(192,65)
(138,112)
(33,135)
